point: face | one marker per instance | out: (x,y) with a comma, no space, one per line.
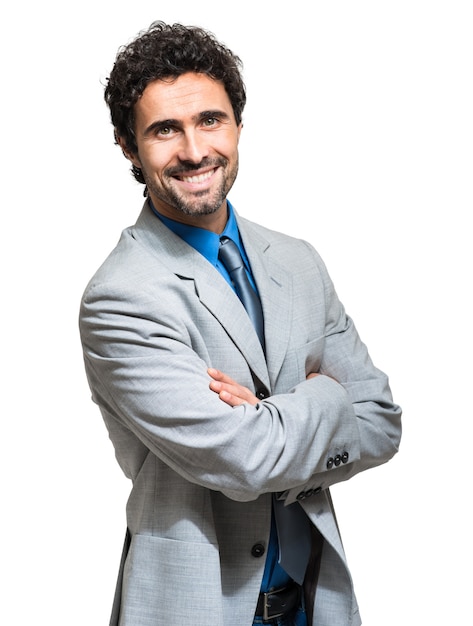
(187,140)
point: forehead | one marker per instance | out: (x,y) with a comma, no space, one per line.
(182,97)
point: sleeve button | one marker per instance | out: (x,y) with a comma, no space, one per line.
(330,463)
(345,456)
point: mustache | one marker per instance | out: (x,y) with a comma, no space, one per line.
(187,166)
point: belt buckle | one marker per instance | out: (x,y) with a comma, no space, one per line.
(266,615)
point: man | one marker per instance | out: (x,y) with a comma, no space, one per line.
(232,415)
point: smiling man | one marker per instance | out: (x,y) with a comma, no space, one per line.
(233,384)
(187,148)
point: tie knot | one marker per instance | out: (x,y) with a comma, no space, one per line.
(229,254)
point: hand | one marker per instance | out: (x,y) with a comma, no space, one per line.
(230,391)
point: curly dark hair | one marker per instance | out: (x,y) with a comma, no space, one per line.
(167,51)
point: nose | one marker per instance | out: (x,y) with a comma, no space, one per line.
(193,147)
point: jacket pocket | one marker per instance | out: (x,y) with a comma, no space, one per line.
(166,582)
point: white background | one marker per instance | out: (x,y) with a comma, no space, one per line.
(358,137)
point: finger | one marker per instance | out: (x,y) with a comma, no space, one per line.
(218,375)
(224,392)
(231,388)
(230,399)
(233,394)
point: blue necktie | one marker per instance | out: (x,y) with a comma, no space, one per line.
(231,258)
(291,521)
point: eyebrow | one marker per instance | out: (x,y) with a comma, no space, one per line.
(177,123)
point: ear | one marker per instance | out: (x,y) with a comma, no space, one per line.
(126,152)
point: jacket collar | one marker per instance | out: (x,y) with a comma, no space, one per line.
(273,281)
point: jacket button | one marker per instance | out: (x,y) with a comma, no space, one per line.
(301,495)
(257,550)
(337,460)
(330,463)
(345,456)
(261,394)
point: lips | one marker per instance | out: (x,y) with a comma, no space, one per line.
(197,178)
(196,174)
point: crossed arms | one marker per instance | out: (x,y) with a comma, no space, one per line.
(231,392)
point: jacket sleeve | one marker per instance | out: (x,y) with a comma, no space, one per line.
(346,360)
(148,373)
(378,419)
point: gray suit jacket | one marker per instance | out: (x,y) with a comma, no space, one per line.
(154,317)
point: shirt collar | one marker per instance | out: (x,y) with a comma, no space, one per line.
(204,241)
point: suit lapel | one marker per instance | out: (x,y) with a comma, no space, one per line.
(220,299)
(210,287)
(275,288)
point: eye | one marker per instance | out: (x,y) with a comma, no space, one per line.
(210,121)
(164,130)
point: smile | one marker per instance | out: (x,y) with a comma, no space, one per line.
(199,178)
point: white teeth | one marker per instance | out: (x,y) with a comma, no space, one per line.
(197,179)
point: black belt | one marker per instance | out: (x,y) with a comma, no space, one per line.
(279,602)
